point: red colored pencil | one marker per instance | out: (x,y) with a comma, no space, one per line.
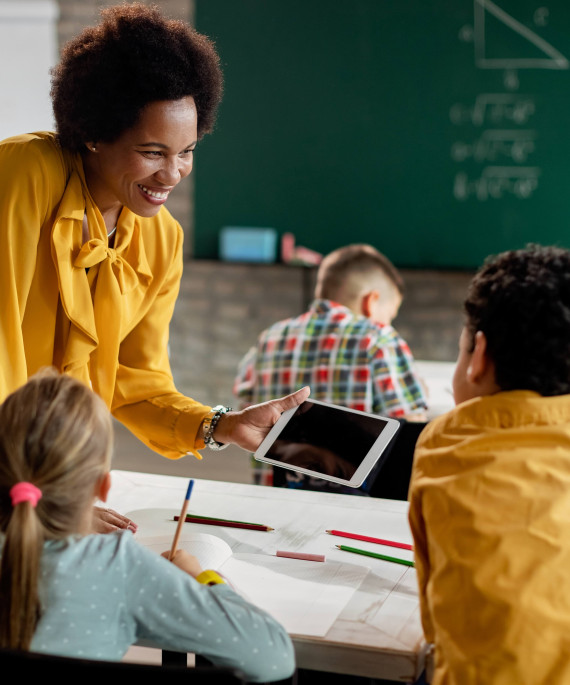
(366,538)
(226,524)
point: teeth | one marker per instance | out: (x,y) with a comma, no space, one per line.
(152,193)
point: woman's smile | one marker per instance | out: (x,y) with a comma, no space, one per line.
(155,196)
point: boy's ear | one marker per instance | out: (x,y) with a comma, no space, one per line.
(480,365)
(367,302)
(102,487)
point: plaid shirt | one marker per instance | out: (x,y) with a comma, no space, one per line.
(346,360)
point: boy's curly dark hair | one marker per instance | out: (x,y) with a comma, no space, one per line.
(520,300)
(134,56)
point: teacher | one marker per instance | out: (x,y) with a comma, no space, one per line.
(91,260)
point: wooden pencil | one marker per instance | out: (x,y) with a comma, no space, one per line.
(181,520)
(217,518)
(225,523)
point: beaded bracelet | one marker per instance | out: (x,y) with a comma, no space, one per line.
(209,426)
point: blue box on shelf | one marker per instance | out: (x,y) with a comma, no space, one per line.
(247,244)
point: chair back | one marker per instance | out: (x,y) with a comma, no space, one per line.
(392,480)
(65,669)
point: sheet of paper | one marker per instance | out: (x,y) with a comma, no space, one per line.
(211,551)
(306,597)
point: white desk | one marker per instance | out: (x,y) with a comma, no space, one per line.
(438,378)
(378,634)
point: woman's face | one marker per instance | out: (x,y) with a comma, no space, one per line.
(141,167)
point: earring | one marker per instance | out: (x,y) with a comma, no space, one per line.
(94,148)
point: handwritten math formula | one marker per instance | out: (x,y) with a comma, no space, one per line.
(499,139)
(504,152)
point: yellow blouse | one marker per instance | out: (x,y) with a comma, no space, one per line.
(97,313)
(490,515)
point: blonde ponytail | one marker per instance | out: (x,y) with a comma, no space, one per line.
(21,553)
(56,435)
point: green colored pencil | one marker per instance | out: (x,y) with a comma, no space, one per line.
(366,553)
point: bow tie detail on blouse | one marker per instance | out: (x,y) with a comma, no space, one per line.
(97,251)
(112,274)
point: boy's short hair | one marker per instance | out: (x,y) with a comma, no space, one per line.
(520,300)
(359,263)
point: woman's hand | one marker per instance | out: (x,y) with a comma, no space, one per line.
(248,427)
(107,521)
(185,561)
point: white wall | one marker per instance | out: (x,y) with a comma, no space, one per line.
(28,49)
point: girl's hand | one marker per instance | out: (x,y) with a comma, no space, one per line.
(185,561)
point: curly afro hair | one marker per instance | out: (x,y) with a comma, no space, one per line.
(520,300)
(134,56)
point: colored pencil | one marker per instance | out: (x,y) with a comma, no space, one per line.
(366,553)
(181,519)
(216,518)
(301,555)
(366,538)
(223,522)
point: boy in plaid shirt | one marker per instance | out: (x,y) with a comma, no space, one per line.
(344,347)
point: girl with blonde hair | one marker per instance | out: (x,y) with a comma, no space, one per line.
(66,591)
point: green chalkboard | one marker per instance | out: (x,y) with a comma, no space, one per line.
(437,130)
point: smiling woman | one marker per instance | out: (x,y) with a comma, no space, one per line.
(92,260)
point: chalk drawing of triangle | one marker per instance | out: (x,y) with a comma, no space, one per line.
(534,51)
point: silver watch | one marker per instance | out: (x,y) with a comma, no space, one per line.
(209,426)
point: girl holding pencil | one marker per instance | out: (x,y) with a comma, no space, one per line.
(67,592)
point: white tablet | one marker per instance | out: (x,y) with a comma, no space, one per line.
(325,441)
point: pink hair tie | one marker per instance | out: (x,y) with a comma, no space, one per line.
(25,492)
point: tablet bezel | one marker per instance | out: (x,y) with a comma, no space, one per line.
(369,460)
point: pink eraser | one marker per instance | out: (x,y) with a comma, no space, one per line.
(301,555)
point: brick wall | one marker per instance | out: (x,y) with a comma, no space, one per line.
(74,15)
(223,307)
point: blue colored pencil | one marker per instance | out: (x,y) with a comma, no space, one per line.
(181,519)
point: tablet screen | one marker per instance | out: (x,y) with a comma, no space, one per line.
(326,440)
